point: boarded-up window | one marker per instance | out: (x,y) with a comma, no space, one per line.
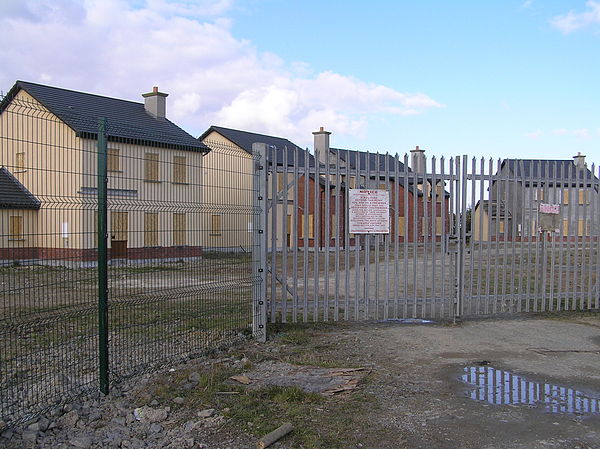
(333,227)
(501,227)
(113,160)
(179,229)
(566,196)
(280,184)
(581,228)
(150,229)
(119,223)
(565,227)
(438,226)
(20,161)
(15,227)
(301,230)
(215,225)
(311,226)
(179,169)
(151,167)
(533,227)
(538,194)
(400,226)
(352,182)
(383,186)
(583,197)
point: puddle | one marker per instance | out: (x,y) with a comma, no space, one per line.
(498,387)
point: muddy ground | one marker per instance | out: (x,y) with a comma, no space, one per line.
(410,394)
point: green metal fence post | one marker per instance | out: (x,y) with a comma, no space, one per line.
(102,258)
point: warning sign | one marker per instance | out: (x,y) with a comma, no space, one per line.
(550,208)
(369,211)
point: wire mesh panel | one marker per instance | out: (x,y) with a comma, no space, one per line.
(180,231)
(48,277)
(181,263)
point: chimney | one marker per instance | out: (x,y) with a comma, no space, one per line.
(322,144)
(579,160)
(417,160)
(155,103)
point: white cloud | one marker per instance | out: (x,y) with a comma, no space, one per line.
(535,135)
(581,133)
(573,21)
(186,47)
(527,3)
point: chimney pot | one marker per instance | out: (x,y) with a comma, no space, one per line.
(321,144)
(417,160)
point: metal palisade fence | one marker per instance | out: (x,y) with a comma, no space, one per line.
(121,250)
(458,237)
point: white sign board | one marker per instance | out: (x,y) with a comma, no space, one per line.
(550,208)
(369,211)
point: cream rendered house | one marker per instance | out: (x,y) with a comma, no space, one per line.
(48,143)
(232,148)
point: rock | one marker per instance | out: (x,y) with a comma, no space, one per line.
(2,426)
(207,413)
(7,434)
(188,385)
(151,415)
(156,428)
(188,426)
(154,403)
(81,442)
(179,400)
(29,436)
(94,416)
(69,419)
(194,377)
(118,420)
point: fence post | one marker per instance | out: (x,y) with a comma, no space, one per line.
(102,258)
(259,254)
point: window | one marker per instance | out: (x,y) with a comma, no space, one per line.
(333,228)
(383,186)
(280,184)
(179,169)
(400,226)
(538,194)
(151,167)
(311,226)
(352,182)
(533,227)
(179,229)
(566,196)
(583,197)
(438,226)
(15,231)
(501,227)
(565,227)
(150,229)
(113,160)
(20,162)
(215,225)
(582,228)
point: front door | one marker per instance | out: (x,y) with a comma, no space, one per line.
(119,224)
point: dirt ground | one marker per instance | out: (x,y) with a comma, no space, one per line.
(410,394)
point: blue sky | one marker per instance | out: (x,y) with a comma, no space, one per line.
(484,78)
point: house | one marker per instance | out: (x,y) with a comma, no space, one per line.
(418,200)
(48,154)
(521,185)
(233,148)
(327,202)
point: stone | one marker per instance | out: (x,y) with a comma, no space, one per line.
(7,434)
(154,403)
(81,442)
(151,415)
(156,428)
(69,419)
(2,426)
(29,436)
(179,400)
(118,420)
(94,416)
(207,413)
(194,377)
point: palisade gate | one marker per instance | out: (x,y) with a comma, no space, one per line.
(456,238)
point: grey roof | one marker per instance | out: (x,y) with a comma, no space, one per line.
(563,170)
(376,161)
(498,210)
(13,194)
(245,139)
(127,121)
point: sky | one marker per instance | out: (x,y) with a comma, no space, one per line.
(503,78)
